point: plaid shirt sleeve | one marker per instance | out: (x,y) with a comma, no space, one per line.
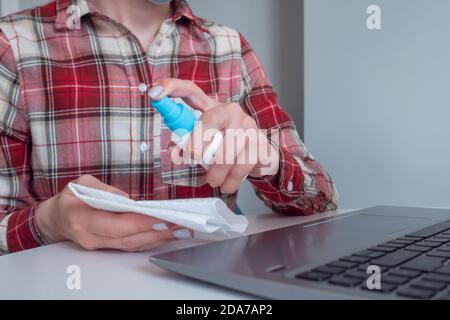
(301,186)
(17,207)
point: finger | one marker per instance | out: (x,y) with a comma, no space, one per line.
(139,242)
(116,225)
(237,174)
(226,159)
(179,156)
(212,122)
(176,151)
(217,174)
(234,143)
(220,118)
(134,242)
(211,151)
(89,241)
(219,147)
(268,155)
(189,91)
(200,141)
(142,241)
(92,182)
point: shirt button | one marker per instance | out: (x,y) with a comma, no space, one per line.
(290,186)
(143,88)
(143,147)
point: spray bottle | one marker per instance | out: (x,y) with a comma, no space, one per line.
(181,119)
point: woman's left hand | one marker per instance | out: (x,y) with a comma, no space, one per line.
(244,151)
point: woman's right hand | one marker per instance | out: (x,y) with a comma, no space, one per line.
(65,217)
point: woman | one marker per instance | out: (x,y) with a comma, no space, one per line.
(77,77)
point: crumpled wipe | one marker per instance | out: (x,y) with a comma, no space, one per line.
(204,215)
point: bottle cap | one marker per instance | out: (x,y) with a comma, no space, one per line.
(177,116)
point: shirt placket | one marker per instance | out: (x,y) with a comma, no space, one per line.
(154,52)
(137,70)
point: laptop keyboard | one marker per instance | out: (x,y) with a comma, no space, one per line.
(415,266)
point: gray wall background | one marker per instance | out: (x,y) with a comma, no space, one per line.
(273,28)
(377,105)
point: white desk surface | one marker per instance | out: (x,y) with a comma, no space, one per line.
(41,273)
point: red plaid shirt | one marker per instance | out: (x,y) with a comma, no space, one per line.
(74,102)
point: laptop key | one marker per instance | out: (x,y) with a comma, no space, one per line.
(431,231)
(430,285)
(345,281)
(445,297)
(356,259)
(329,269)
(440,254)
(313,276)
(405,273)
(438,240)
(411,238)
(356,274)
(403,241)
(394,245)
(444,270)
(370,254)
(426,243)
(385,288)
(418,248)
(364,267)
(424,263)
(437,277)
(396,258)
(442,236)
(394,280)
(416,293)
(343,264)
(383,249)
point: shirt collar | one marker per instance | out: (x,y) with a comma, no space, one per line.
(63,11)
(181,10)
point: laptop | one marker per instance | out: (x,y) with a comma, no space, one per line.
(375,253)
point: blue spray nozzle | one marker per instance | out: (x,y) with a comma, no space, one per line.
(177,116)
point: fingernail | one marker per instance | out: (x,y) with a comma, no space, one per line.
(160,227)
(155,92)
(182,234)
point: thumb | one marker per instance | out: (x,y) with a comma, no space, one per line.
(187,90)
(92,182)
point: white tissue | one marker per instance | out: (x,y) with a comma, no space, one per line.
(204,215)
